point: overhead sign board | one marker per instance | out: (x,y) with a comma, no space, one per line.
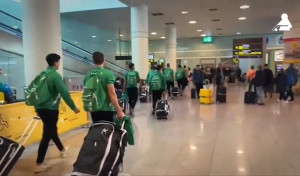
(207,39)
(248,48)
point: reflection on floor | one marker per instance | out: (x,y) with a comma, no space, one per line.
(219,139)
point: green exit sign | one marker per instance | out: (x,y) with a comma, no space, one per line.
(207,39)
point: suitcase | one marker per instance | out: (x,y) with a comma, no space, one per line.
(143,96)
(250,97)
(221,94)
(205,93)
(193,93)
(206,100)
(102,150)
(162,109)
(11,151)
(175,91)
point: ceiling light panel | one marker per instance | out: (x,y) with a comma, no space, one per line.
(244,7)
(242,18)
(184,12)
(192,22)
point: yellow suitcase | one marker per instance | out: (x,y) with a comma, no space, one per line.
(206,100)
(205,93)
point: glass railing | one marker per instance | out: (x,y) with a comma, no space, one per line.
(13,25)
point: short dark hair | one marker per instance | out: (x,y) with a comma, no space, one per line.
(168,64)
(158,67)
(252,67)
(198,66)
(52,58)
(179,66)
(266,65)
(98,58)
(131,65)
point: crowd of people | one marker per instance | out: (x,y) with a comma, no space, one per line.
(160,81)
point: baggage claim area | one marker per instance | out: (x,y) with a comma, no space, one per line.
(149,87)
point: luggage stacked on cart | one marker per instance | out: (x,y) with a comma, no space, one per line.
(162,109)
(11,151)
(250,97)
(205,96)
(221,94)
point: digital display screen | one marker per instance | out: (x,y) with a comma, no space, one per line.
(207,39)
(248,48)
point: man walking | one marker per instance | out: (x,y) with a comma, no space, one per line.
(48,111)
(251,75)
(132,77)
(158,86)
(169,75)
(268,87)
(292,79)
(259,81)
(198,79)
(181,78)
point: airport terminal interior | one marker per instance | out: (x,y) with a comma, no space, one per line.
(229,107)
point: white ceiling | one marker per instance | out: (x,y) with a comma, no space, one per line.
(262,16)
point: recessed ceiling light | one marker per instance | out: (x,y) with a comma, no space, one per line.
(75,42)
(121,35)
(238,33)
(242,18)
(244,7)
(94,36)
(15,27)
(203,35)
(192,22)
(199,30)
(184,12)
(162,37)
(153,33)
(109,40)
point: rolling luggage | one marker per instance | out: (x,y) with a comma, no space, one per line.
(162,109)
(250,97)
(102,150)
(205,96)
(221,94)
(11,151)
(175,91)
(193,93)
(143,96)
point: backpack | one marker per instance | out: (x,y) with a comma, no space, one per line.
(291,80)
(155,82)
(168,75)
(131,79)
(93,96)
(151,74)
(37,92)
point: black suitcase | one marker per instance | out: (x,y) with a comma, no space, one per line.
(175,91)
(250,97)
(143,96)
(193,93)
(162,109)
(102,151)
(11,151)
(221,94)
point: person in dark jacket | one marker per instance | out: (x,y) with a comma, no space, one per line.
(281,80)
(259,81)
(198,79)
(292,79)
(268,87)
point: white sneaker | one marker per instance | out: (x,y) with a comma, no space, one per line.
(63,154)
(286,101)
(41,168)
(278,100)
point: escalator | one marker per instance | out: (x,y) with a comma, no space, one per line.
(68,49)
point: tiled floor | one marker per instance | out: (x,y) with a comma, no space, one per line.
(219,139)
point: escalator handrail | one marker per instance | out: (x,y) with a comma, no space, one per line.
(18,19)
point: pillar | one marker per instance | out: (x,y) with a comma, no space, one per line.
(41,35)
(139,39)
(171,45)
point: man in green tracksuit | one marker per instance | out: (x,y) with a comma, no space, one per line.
(48,111)
(132,78)
(181,78)
(158,86)
(169,75)
(150,74)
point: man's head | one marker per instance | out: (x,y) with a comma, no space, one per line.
(98,58)
(53,60)
(260,67)
(266,66)
(158,68)
(168,65)
(198,66)
(131,66)
(179,66)
(291,65)
(252,67)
